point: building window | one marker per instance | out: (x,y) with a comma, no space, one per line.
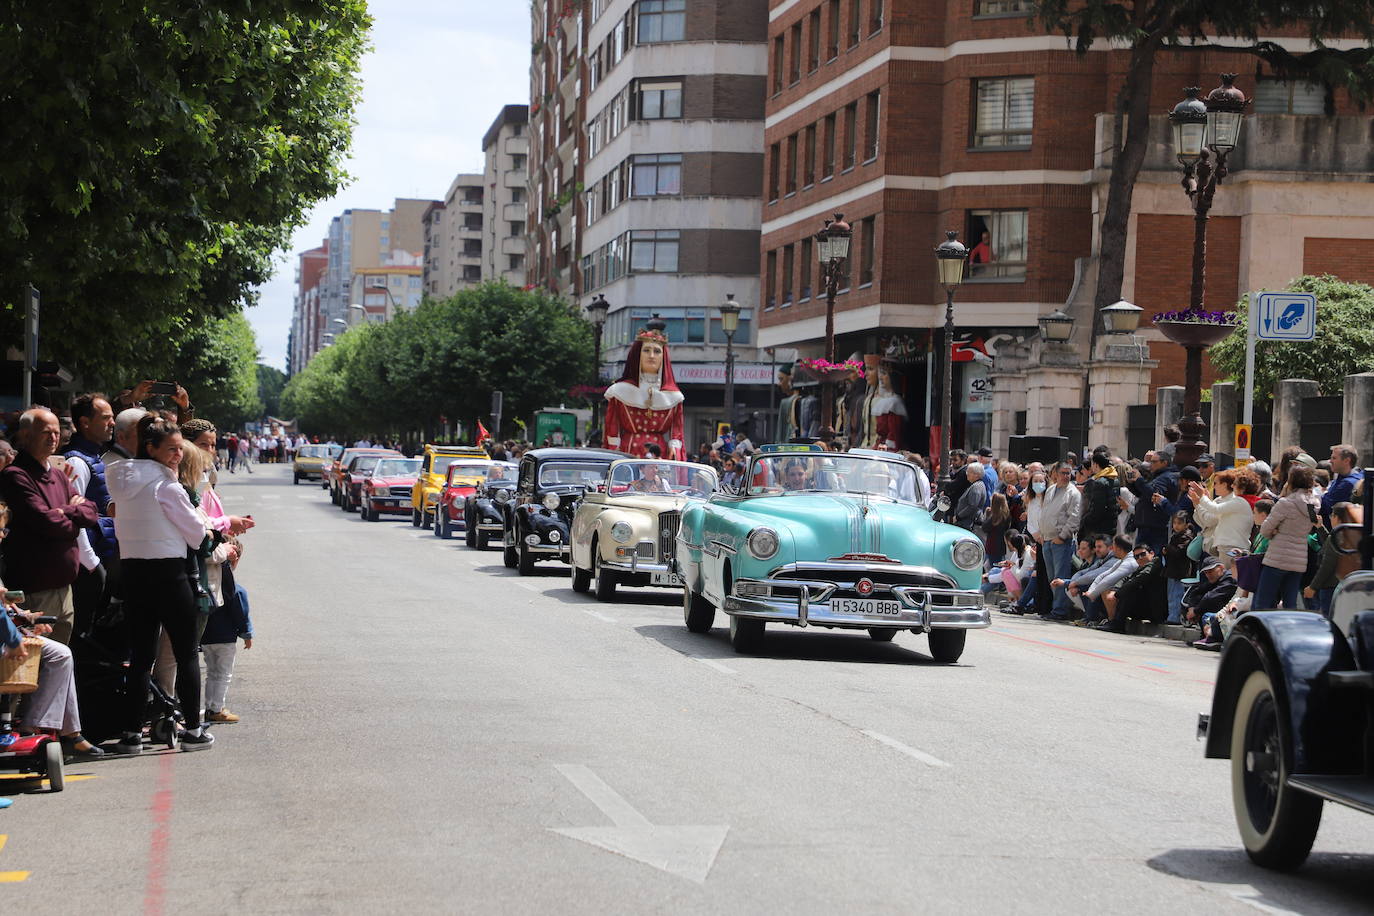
(813,41)
(875,16)
(828,148)
(808,265)
(999,245)
(517,162)
(851,135)
(661,20)
(516,262)
(856,17)
(1003,112)
(794,60)
(770,279)
(517,228)
(871,126)
(654,251)
(866,239)
(472,274)
(416,282)
(792,164)
(809,157)
(788,271)
(832,41)
(1000,7)
(1274,96)
(743,335)
(659,99)
(657,175)
(774,170)
(517,195)
(777,64)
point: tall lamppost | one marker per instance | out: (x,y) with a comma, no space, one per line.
(1201,128)
(729,323)
(832,249)
(950,257)
(596,313)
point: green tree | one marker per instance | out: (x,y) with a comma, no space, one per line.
(157,152)
(271,381)
(317,396)
(1344,344)
(1150,27)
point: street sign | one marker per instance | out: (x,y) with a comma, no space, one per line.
(1244,431)
(1243,462)
(1285,316)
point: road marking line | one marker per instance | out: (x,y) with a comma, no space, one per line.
(269,496)
(598,615)
(11,877)
(1244,893)
(159,843)
(712,663)
(621,812)
(1041,642)
(527,587)
(1155,668)
(904,748)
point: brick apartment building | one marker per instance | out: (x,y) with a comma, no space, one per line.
(914,116)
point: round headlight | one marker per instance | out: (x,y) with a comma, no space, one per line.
(555,536)
(763,543)
(551,501)
(502,496)
(622,532)
(968,554)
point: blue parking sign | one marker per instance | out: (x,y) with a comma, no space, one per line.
(1285,316)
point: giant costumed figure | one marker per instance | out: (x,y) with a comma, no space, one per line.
(645,405)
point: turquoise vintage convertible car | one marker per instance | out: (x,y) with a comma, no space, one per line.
(814,538)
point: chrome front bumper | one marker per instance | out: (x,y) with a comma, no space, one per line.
(490,526)
(811,606)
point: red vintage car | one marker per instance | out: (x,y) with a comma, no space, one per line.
(355,475)
(464,477)
(387,491)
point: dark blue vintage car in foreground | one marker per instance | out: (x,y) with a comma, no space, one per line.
(1293,710)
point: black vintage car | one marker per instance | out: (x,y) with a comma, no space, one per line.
(483,513)
(549,484)
(1293,710)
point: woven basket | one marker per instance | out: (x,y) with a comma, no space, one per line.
(21,677)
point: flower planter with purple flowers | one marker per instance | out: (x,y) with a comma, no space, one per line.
(1196,327)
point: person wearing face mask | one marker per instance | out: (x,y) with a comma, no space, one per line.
(1039,598)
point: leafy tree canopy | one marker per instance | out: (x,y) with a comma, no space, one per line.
(156,154)
(444,359)
(271,381)
(1344,344)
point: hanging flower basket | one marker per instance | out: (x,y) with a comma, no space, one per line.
(1195,333)
(824,371)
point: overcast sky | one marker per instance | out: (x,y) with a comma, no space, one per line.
(438,75)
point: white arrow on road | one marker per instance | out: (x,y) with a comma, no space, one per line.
(688,852)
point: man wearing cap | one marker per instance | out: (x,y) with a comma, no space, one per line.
(1214,590)
(1207,466)
(989,474)
(1344,461)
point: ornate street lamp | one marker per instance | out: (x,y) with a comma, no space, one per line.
(1121,317)
(729,323)
(1201,130)
(1056,327)
(832,249)
(950,257)
(596,313)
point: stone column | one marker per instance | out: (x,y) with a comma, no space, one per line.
(1357,416)
(1288,395)
(1168,409)
(1225,416)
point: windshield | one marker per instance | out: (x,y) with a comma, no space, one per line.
(571,474)
(314,451)
(832,473)
(442,462)
(396,467)
(364,464)
(500,470)
(669,478)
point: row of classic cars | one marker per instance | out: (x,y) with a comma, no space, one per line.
(803,537)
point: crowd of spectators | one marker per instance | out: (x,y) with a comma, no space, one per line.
(110,524)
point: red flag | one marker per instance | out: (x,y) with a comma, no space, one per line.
(482,434)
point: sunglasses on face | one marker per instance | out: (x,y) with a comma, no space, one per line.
(1141,555)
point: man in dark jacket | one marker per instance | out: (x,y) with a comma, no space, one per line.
(1142,595)
(1100,494)
(94,421)
(1214,590)
(1155,501)
(46,517)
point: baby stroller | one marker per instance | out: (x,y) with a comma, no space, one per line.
(100,652)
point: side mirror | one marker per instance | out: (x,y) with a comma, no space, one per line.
(942,504)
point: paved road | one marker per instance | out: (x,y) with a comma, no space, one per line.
(425,731)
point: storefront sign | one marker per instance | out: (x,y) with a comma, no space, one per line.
(714,373)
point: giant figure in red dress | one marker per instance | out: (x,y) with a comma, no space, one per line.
(645,405)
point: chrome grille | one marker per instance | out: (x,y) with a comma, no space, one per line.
(668,524)
(400,491)
(883,580)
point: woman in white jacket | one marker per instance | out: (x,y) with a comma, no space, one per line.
(1226,521)
(156,525)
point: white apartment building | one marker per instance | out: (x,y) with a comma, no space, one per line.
(506,147)
(453,238)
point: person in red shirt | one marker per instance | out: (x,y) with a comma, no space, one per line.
(981,253)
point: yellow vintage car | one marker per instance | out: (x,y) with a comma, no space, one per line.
(312,462)
(424,496)
(625,533)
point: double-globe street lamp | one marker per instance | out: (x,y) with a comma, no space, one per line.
(950,256)
(1199,128)
(596,314)
(832,250)
(729,323)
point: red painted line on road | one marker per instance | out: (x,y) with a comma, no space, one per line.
(161,840)
(1153,668)
(1041,642)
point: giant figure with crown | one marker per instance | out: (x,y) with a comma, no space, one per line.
(645,406)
